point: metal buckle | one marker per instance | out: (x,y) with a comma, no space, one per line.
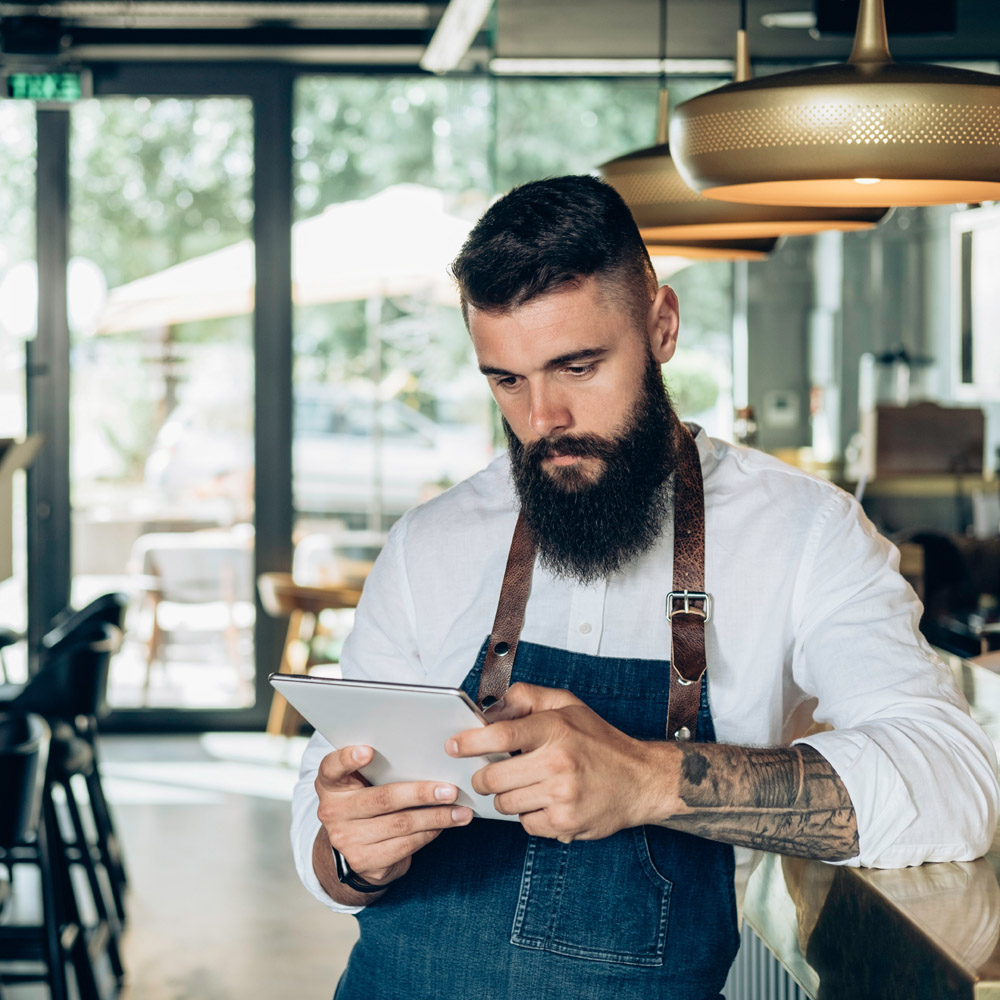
(687,596)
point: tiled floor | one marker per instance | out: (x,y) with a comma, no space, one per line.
(216,911)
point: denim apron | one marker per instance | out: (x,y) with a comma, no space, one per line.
(488,912)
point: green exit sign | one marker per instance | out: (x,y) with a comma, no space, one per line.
(55,86)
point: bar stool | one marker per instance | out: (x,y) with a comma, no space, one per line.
(69,691)
(282,597)
(29,834)
(87,700)
(8,637)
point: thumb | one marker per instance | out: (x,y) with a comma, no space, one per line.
(524,699)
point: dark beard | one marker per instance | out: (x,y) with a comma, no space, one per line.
(587,530)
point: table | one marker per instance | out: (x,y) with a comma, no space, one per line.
(829,932)
(302,604)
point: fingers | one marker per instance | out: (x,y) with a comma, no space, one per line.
(383,856)
(522,699)
(525,733)
(399,826)
(339,767)
(386,800)
(521,771)
(377,845)
(377,828)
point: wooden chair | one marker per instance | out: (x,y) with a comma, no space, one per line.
(282,597)
(213,569)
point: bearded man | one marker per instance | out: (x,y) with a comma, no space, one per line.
(623,553)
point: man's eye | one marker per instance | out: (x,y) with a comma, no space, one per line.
(508,381)
(580,369)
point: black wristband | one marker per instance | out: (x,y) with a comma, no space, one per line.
(347,877)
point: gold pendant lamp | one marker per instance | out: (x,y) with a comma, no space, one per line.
(669,212)
(711,249)
(865,132)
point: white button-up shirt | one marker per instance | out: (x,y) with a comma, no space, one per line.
(811,620)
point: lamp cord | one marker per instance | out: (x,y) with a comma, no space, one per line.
(663,44)
(664,101)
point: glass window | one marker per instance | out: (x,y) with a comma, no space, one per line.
(162,391)
(390,174)
(18,315)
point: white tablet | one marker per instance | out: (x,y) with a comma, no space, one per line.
(405,724)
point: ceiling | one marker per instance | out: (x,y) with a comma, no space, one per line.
(396,32)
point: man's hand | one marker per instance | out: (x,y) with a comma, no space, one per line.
(378,828)
(576,777)
(579,778)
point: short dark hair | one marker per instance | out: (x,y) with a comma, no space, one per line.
(553,233)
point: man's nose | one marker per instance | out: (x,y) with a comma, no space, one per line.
(549,414)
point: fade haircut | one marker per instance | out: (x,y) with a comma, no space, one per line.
(553,234)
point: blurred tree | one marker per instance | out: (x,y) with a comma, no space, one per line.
(354,136)
(17,192)
(153,183)
(158,182)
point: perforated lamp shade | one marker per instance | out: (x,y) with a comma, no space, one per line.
(712,249)
(667,209)
(866,132)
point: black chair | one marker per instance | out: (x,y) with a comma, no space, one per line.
(29,835)
(8,637)
(70,690)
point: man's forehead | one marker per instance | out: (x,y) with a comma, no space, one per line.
(550,325)
(585,294)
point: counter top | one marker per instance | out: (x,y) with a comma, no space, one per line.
(927,932)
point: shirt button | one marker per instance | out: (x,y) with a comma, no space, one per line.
(585,628)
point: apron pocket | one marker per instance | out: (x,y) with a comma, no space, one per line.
(600,900)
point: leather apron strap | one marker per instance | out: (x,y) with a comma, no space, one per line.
(509,619)
(688,605)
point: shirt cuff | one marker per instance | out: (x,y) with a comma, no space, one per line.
(305,825)
(882,802)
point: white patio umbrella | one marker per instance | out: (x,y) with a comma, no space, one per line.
(397,242)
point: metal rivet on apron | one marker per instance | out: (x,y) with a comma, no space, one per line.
(683,734)
(501,648)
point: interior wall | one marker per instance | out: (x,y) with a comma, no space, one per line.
(779,301)
(820,303)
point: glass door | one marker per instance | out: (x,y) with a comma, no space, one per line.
(18,309)
(161,300)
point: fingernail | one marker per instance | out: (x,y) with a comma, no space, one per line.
(461,815)
(358,753)
(451,747)
(444,792)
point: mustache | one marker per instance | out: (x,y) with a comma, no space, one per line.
(577,445)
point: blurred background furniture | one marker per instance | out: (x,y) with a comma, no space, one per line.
(341,558)
(8,637)
(30,836)
(961,591)
(209,573)
(282,597)
(69,691)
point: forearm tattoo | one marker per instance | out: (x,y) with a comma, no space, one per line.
(788,800)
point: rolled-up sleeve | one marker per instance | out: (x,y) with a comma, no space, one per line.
(922,775)
(380,646)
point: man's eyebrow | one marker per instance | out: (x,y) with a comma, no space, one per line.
(571,357)
(585,354)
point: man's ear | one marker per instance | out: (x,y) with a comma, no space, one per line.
(662,323)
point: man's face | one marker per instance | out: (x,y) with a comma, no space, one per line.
(569,364)
(588,424)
